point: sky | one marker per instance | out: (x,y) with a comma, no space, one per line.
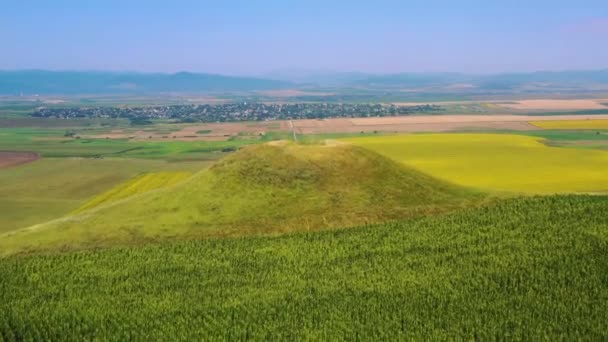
(259,37)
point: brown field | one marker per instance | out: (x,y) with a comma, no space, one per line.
(8,158)
(443,123)
(556,104)
(218,131)
(530,104)
(397,124)
(455,103)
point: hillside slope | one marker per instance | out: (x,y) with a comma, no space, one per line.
(526,269)
(259,190)
(141,184)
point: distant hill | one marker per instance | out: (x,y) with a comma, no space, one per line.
(495,81)
(414,79)
(262,189)
(324,78)
(81,82)
(30,82)
(457,81)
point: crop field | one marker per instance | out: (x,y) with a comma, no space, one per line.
(572,124)
(138,185)
(524,269)
(497,162)
(430,123)
(52,187)
(198,132)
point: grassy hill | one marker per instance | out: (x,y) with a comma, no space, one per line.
(263,189)
(141,184)
(524,269)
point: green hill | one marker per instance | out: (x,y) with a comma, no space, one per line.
(263,189)
(525,269)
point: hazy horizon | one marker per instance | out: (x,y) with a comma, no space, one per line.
(242,38)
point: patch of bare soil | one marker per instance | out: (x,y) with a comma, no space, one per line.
(9,158)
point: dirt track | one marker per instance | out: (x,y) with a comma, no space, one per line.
(8,158)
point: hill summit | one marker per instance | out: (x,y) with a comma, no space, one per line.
(261,189)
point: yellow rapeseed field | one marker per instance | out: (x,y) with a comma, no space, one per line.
(497,162)
(571,124)
(135,186)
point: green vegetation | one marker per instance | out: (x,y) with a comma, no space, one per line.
(497,162)
(136,186)
(526,269)
(262,189)
(50,188)
(114,239)
(204,131)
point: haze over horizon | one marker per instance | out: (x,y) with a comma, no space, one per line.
(242,38)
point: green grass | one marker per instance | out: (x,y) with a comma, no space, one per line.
(50,188)
(526,269)
(272,136)
(497,162)
(262,189)
(136,186)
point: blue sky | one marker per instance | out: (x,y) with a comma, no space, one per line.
(256,37)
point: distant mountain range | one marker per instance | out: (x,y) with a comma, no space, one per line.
(79,82)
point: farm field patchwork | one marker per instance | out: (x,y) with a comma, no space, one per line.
(253,247)
(54,143)
(497,162)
